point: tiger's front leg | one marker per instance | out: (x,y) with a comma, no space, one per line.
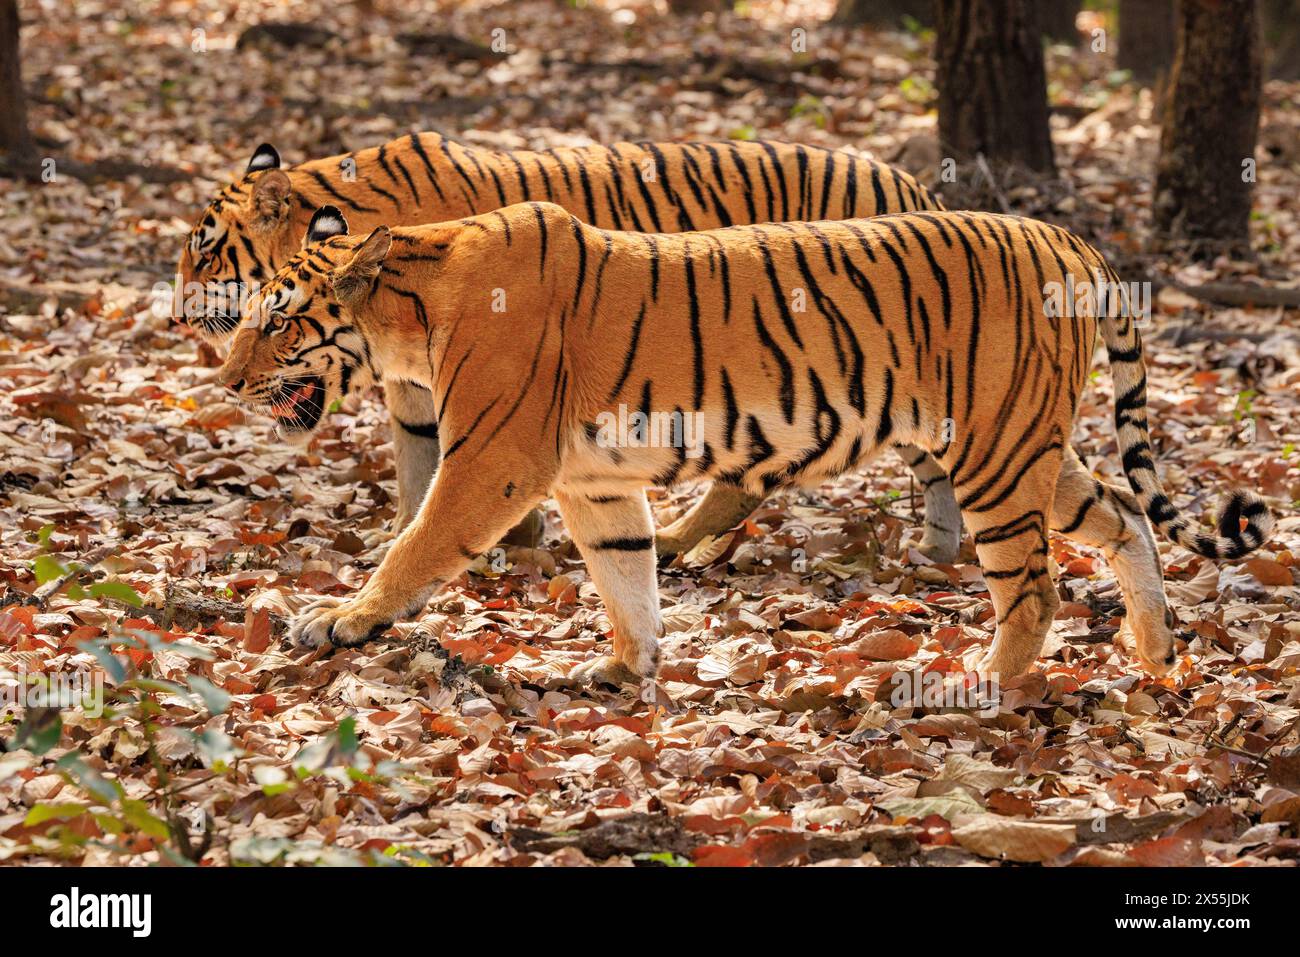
(415,445)
(615,534)
(466,512)
(416,454)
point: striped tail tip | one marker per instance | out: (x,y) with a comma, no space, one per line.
(1234,540)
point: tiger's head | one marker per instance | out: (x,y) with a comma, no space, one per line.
(243,236)
(298,350)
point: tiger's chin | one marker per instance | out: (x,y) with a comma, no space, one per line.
(293,435)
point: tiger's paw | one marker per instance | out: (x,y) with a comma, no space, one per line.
(999,664)
(668,547)
(633,663)
(332,621)
(605,670)
(940,549)
(375,537)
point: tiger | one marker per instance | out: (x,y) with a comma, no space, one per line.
(256,224)
(929,328)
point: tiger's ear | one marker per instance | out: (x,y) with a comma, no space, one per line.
(270,200)
(352,281)
(326,222)
(264,157)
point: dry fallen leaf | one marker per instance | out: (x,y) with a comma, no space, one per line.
(1010,839)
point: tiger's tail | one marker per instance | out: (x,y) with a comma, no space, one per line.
(1128,371)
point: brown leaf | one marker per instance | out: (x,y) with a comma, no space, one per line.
(888,644)
(1011,839)
(257,631)
(1269,572)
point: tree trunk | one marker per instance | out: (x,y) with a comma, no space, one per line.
(1056,17)
(884,13)
(992,89)
(15,139)
(1146,38)
(1281,38)
(1205,174)
(694,6)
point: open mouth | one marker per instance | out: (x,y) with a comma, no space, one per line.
(300,406)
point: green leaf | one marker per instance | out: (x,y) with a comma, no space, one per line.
(138,815)
(348,742)
(47,568)
(43,536)
(99,647)
(89,779)
(119,591)
(110,823)
(155,642)
(40,731)
(215,699)
(53,812)
(217,749)
(666,858)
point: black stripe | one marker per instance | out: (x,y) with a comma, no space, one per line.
(427,430)
(625,544)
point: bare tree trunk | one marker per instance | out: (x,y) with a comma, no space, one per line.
(15,139)
(1281,38)
(1056,17)
(992,89)
(695,6)
(1205,174)
(1146,38)
(885,13)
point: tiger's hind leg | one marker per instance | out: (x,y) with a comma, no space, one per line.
(726,505)
(942,538)
(721,507)
(1007,515)
(615,534)
(1109,518)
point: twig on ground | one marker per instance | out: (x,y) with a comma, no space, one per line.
(75,570)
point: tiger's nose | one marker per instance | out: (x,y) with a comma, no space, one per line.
(230,378)
(231,373)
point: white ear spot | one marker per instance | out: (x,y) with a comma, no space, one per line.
(329,226)
(328,221)
(264,157)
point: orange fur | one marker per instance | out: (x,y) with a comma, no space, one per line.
(531,329)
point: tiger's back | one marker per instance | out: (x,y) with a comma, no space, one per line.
(804,346)
(256,223)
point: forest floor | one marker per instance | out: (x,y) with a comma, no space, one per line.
(773,734)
